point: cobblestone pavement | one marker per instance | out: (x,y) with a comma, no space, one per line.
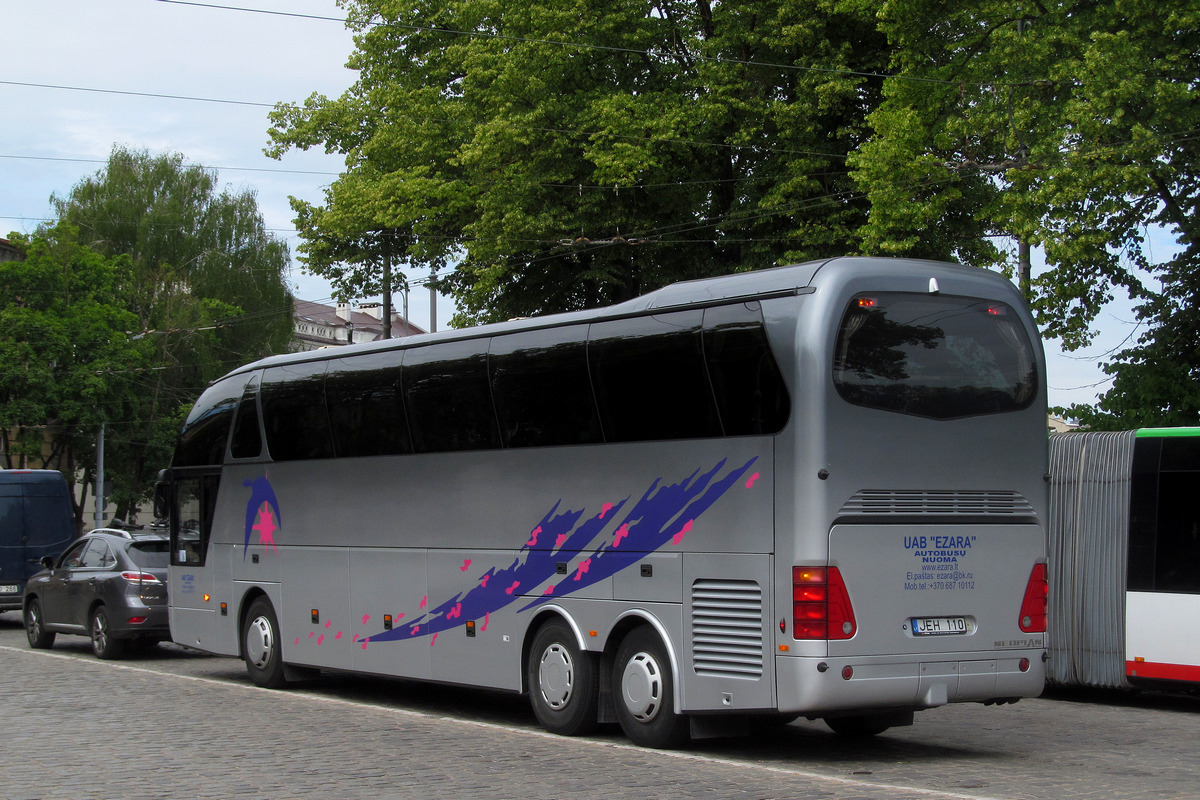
(170,723)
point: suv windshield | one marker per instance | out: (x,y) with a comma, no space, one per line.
(934,356)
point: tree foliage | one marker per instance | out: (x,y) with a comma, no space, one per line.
(67,362)
(564,155)
(204,286)
(1069,126)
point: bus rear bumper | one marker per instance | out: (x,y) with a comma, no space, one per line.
(819,685)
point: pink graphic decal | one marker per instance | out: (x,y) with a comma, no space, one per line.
(533,536)
(413,630)
(364,643)
(483,627)
(365,618)
(559,540)
(455,612)
(621,533)
(329,624)
(512,588)
(400,615)
(297,640)
(677,538)
(355,639)
(583,567)
(266,527)
(311,635)
(338,635)
(604,509)
(466,564)
(433,641)
(549,590)
(750,482)
(321,639)
(424,601)
(483,581)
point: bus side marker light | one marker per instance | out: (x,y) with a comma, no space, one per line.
(847,672)
(224,609)
(1023,665)
(593,634)
(207,598)
(470,627)
(783,648)
(387,622)
(316,616)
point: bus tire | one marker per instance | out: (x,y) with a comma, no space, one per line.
(35,627)
(644,692)
(262,648)
(104,644)
(562,679)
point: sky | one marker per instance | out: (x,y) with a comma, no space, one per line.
(80,76)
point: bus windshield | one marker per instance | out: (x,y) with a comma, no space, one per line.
(933,356)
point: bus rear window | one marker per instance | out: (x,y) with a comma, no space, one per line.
(934,356)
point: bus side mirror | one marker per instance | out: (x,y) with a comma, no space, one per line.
(162,500)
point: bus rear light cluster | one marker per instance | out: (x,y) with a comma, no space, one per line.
(1033,606)
(821,605)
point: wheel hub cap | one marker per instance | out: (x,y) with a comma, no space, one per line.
(259,642)
(642,687)
(556,673)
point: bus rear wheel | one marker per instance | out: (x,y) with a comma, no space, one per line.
(261,645)
(563,689)
(644,692)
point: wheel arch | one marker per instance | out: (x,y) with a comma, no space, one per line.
(547,613)
(626,622)
(247,600)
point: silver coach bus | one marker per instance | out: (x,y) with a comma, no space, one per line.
(814,490)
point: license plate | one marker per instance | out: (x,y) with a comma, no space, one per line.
(940,626)
(9,588)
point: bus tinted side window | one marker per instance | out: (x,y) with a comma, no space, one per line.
(1177,550)
(366,408)
(247,438)
(447,397)
(542,389)
(293,409)
(206,432)
(751,395)
(650,378)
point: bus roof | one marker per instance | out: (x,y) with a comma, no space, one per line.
(740,286)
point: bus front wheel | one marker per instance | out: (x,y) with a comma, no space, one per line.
(644,692)
(562,681)
(261,645)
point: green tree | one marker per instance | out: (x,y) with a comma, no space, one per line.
(67,361)
(563,154)
(206,285)
(1066,126)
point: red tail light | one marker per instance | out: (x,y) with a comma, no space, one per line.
(1033,606)
(821,605)
(139,577)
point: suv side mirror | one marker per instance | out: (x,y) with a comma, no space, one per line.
(48,562)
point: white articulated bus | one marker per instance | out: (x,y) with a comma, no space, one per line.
(1125,556)
(814,490)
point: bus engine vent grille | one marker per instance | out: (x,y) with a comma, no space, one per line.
(897,503)
(727,628)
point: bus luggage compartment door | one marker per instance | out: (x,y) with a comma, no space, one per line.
(930,589)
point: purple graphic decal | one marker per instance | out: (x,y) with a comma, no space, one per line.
(664,514)
(263,506)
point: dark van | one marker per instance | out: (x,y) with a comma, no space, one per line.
(36,519)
